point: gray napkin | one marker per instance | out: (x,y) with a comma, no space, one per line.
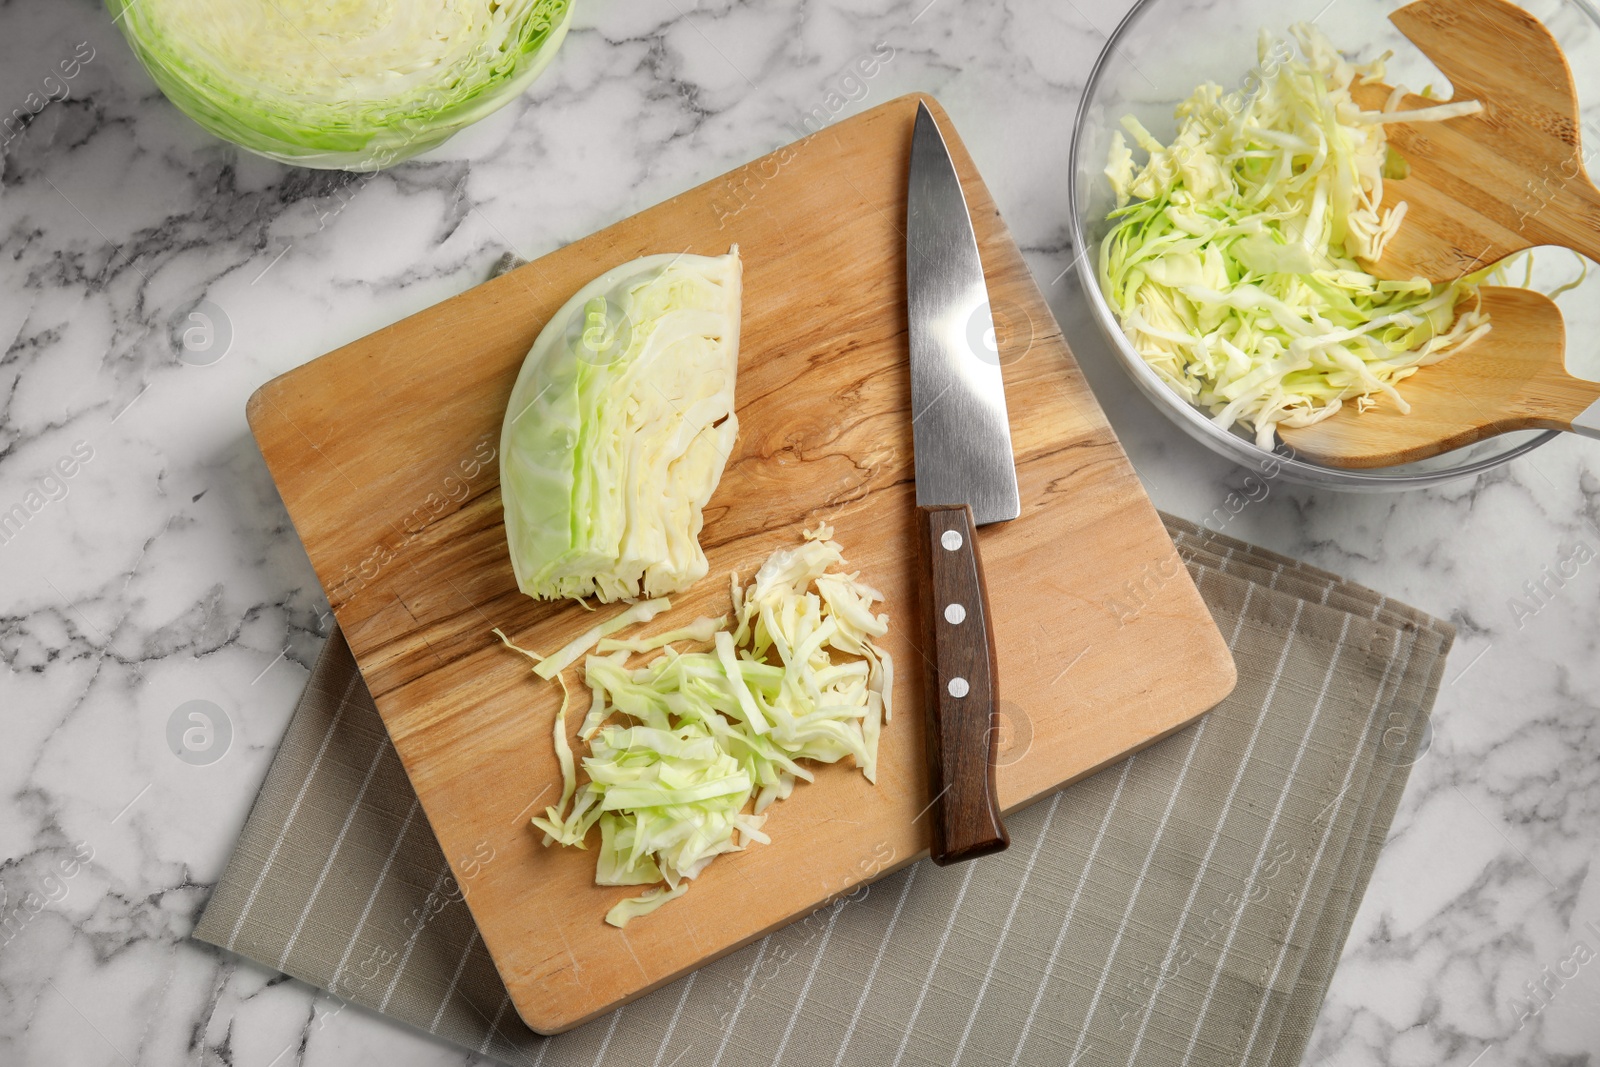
(1185,906)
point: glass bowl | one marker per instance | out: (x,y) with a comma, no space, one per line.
(1156,57)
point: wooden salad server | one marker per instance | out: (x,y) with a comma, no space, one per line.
(1478,189)
(966,477)
(1482,187)
(1515,378)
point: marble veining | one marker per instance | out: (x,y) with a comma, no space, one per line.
(151,277)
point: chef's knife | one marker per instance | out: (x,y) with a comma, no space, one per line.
(965,479)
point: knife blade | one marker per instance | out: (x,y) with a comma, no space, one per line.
(966,478)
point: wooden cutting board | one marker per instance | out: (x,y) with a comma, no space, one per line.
(384,452)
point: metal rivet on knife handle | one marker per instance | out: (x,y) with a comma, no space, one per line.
(962,701)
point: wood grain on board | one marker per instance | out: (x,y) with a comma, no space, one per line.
(384,454)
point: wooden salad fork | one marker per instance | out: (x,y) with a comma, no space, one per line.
(1486,186)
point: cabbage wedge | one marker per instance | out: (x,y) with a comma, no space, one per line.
(618,429)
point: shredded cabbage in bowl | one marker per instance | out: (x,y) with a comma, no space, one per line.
(1234,261)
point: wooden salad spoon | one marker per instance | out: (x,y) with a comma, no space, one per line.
(1485,186)
(1515,378)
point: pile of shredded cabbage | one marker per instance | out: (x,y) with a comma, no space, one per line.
(681,746)
(1234,260)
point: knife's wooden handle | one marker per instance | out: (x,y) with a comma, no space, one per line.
(963,703)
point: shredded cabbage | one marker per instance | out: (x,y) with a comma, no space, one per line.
(355,84)
(560,661)
(680,747)
(618,429)
(1235,260)
(702,629)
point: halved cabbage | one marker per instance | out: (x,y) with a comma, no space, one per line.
(618,430)
(344,84)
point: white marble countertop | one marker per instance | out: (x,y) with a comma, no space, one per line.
(164,569)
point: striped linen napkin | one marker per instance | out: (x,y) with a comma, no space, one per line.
(1187,906)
